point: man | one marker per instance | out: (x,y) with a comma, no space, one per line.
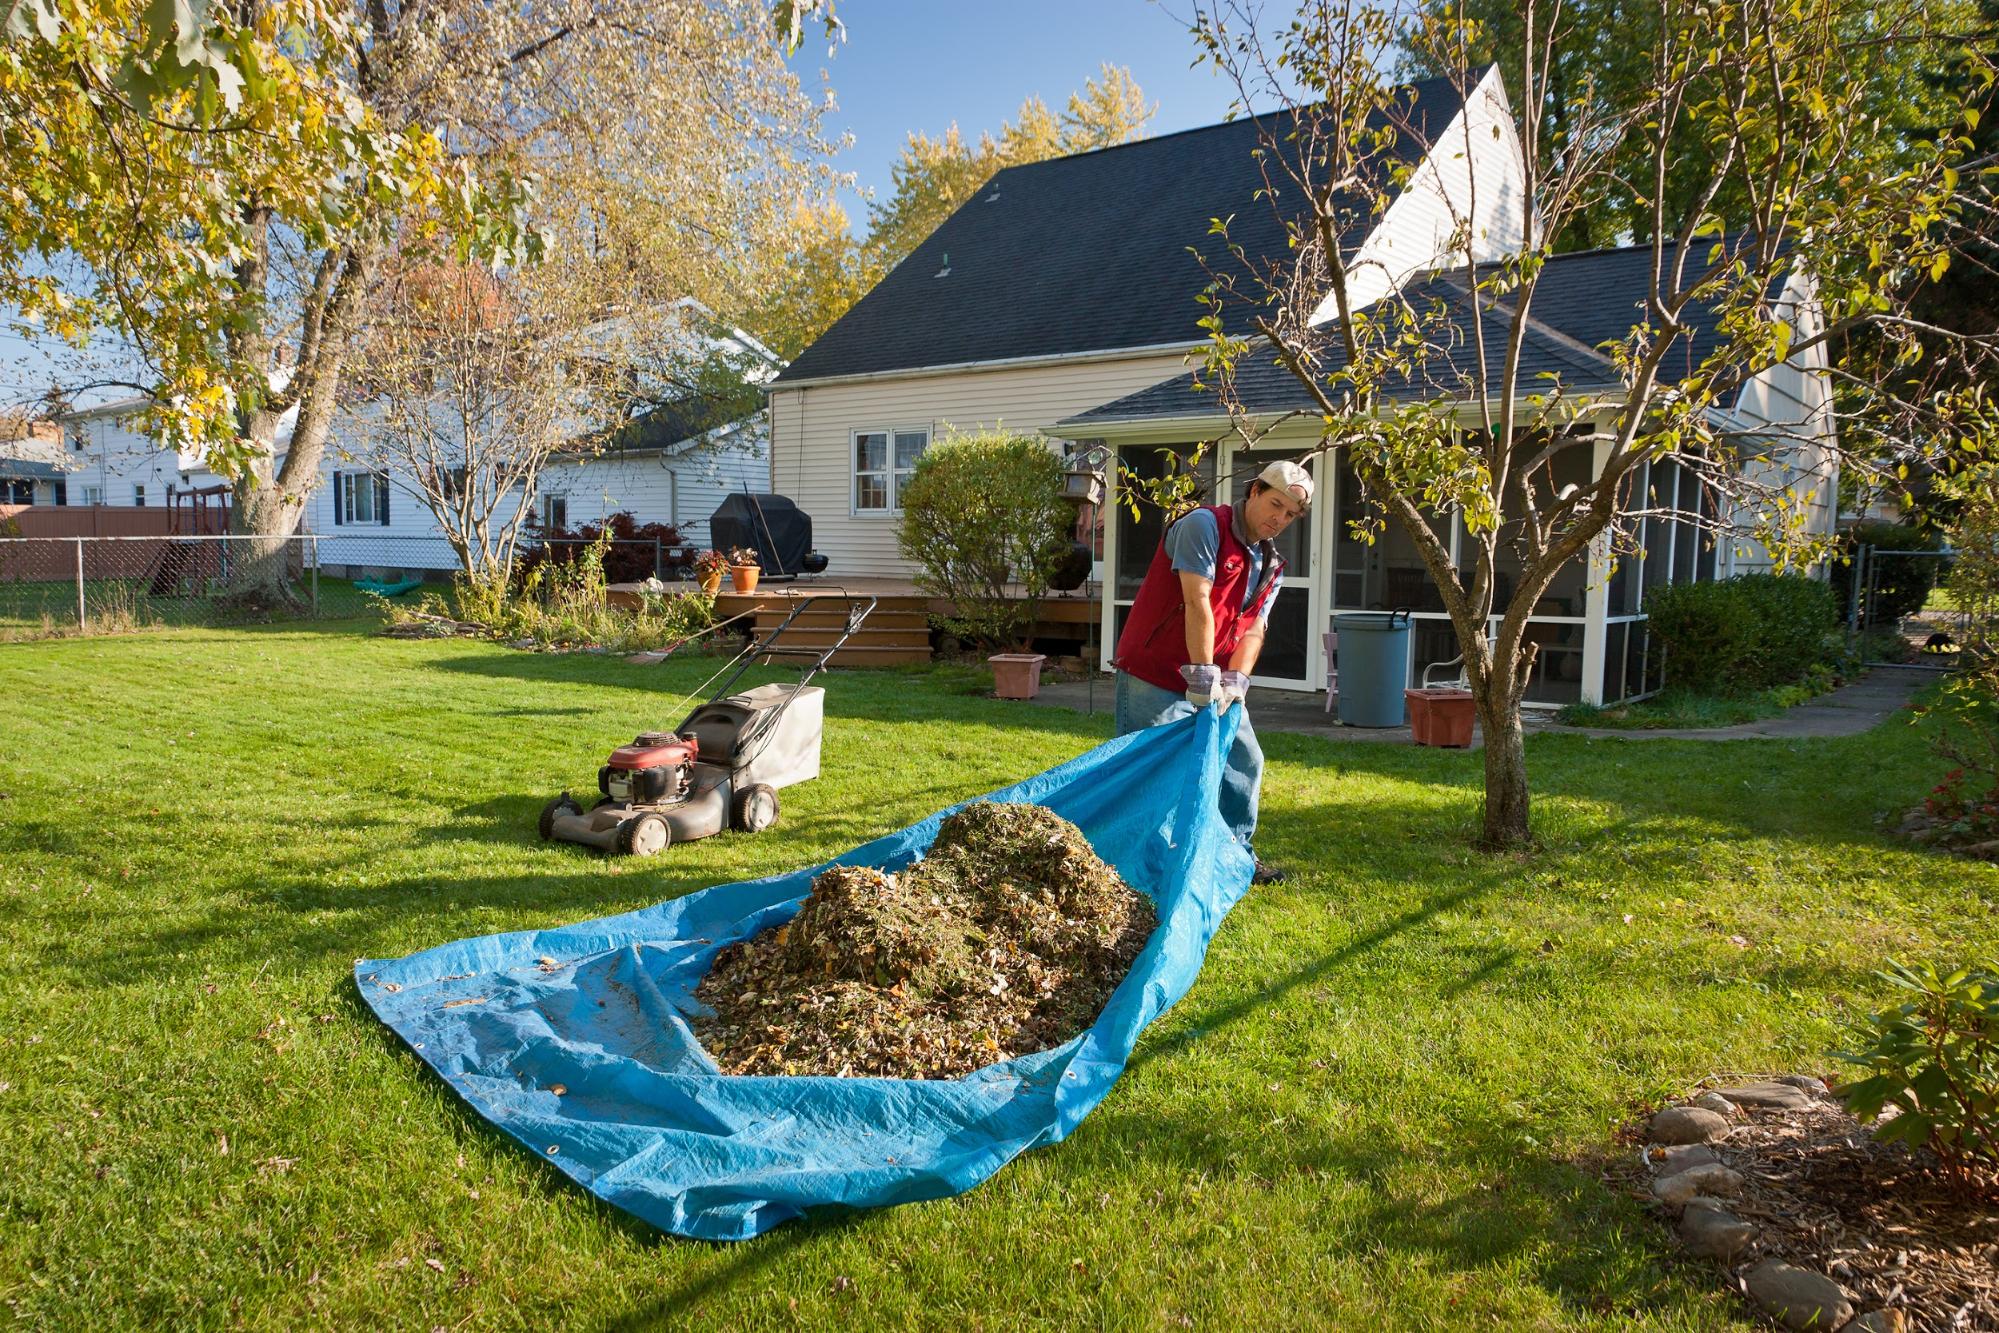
(1197,625)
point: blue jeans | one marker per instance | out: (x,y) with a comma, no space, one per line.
(1141,704)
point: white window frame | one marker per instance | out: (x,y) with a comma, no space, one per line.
(891,475)
(549,500)
(138,495)
(350,512)
(93,494)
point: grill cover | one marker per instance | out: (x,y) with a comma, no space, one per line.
(771,525)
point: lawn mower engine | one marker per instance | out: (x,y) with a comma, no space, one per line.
(655,769)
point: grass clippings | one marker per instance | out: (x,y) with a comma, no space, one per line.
(1007,938)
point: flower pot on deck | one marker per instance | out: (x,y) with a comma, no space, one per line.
(744,577)
(711,582)
(1441,717)
(1016,675)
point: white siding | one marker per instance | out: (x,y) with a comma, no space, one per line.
(1794,401)
(1468,192)
(812,428)
(116,457)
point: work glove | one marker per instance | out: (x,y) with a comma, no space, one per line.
(1204,680)
(1234,688)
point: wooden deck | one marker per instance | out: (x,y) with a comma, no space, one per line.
(897,631)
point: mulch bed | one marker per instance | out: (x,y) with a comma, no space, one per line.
(1882,1221)
(1007,938)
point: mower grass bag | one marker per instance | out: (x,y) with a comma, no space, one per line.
(575,1041)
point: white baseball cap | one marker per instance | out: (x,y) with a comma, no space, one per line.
(1288,476)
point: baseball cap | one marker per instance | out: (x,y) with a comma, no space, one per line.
(1288,476)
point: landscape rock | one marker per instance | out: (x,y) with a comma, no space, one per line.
(1804,1082)
(1798,1298)
(1877,1321)
(1768,1096)
(1681,1157)
(1713,1232)
(1682,1188)
(1720,1105)
(1688,1124)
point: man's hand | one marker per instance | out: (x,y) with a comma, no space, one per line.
(1204,681)
(1233,688)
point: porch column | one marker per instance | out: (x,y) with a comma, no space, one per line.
(1596,597)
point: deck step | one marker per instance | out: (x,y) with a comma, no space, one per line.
(852,655)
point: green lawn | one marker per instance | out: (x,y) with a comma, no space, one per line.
(1375,1109)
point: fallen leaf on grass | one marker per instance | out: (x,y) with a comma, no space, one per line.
(435,1265)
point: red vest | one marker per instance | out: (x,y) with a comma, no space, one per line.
(1153,646)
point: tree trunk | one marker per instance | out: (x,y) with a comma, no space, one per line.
(1505,823)
(261,567)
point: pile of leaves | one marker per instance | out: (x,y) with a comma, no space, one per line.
(1007,938)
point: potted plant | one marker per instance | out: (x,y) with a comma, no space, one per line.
(744,569)
(708,567)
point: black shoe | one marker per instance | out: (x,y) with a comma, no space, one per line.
(1267,874)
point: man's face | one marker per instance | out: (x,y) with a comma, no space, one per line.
(1269,511)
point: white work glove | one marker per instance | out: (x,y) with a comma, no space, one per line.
(1204,681)
(1234,688)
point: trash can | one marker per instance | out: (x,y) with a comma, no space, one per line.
(1374,666)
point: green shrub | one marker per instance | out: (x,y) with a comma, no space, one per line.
(1745,633)
(1900,583)
(1935,1059)
(980,512)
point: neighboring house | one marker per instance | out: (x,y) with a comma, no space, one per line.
(33,470)
(1062,299)
(672,465)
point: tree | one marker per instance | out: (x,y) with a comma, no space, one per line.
(1757,99)
(248,169)
(1595,57)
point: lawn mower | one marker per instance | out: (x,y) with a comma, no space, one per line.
(722,767)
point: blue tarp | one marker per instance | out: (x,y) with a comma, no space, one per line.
(643,1120)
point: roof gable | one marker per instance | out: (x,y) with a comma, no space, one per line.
(1080,254)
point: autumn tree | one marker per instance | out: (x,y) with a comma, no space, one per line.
(229,179)
(1780,217)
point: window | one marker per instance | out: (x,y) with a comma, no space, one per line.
(883,460)
(138,497)
(361,497)
(93,495)
(554,513)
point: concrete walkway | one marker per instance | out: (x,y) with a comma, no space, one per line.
(1846,711)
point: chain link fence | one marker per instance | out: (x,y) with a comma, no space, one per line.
(65,585)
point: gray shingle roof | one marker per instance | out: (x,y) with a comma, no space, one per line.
(1581,301)
(1077,254)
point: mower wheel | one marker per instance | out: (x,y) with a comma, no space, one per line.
(754,809)
(561,805)
(644,835)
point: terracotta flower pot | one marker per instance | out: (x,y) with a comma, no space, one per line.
(1441,717)
(711,581)
(1016,675)
(745,577)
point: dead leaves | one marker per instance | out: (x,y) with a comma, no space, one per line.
(1007,938)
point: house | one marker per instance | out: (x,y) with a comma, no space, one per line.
(1061,299)
(33,470)
(671,464)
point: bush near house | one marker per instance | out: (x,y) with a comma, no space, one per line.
(1901,584)
(628,547)
(981,512)
(1744,634)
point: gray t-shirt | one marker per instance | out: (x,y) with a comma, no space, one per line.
(1194,542)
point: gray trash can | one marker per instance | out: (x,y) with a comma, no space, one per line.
(1374,667)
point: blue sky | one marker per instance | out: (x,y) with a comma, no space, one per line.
(924,65)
